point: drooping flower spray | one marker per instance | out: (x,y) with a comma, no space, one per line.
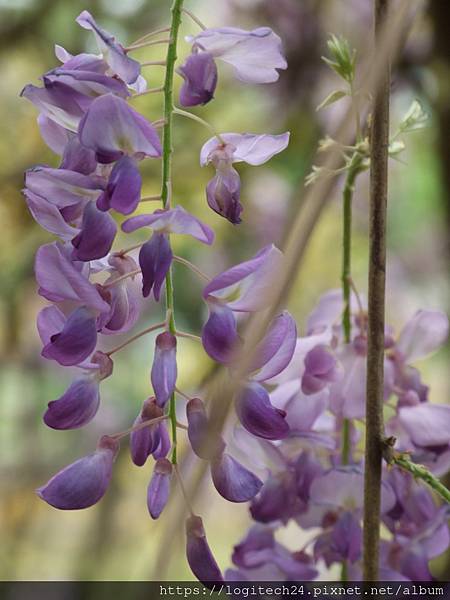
(300,402)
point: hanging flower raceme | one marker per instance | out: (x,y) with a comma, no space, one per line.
(223,191)
(256,57)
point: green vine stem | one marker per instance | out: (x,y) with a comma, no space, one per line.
(403,461)
(167,177)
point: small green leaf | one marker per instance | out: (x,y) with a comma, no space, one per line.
(343,58)
(331,98)
(415,118)
(396,147)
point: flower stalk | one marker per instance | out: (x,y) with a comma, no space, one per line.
(376,307)
(166,177)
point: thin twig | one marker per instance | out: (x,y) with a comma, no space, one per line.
(146,44)
(194,18)
(122,277)
(191,266)
(150,34)
(137,336)
(376,306)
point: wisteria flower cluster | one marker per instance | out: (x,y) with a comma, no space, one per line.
(287,456)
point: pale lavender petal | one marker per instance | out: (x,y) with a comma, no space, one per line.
(59,279)
(159,487)
(112,128)
(123,190)
(97,234)
(55,136)
(423,334)
(84,482)
(198,553)
(76,340)
(255,55)
(164,368)
(125,67)
(57,102)
(200,79)
(206,443)
(427,424)
(76,407)
(257,414)
(124,309)
(49,216)
(61,187)
(252,148)
(176,220)
(233,481)
(220,338)
(275,351)
(246,287)
(50,320)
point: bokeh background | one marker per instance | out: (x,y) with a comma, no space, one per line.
(116,539)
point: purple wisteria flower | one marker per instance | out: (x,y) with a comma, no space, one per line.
(159,487)
(199,555)
(223,191)
(200,79)
(113,53)
(84,482)
(164,368)
(255,55)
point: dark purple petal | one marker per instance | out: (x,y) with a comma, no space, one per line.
(205,442)
(275,351)
(176,220)
(277,501)
(123,191)
(233,481)
(76,341)
(246,287)
(257,414)
(159,487)
(125,67)
(200,79)
(164,442)
(144,441)
(199,555)
(250,552)
(84,482)
(219,334)
(155,258)
(112,128)
(59,278)
(255,55)
(97,234)
(223,193)
(76,407)
(164,368)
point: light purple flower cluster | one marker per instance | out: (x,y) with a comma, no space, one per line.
(85,117)
(306,479)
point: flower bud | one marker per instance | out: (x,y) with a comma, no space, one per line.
(155,258)
(144,441)
(76,407)
(84,482)
(200,79)
(159,487)
(257,414)
(164,368)
(199,555)
(233,481)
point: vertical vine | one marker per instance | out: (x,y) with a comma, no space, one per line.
(166,177)
(376,308)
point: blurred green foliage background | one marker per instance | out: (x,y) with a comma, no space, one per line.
(116,539)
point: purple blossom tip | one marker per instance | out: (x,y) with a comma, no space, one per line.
(76,407)
(233,481)
(206,443)
(200,79)
(159,487)
(145,441)
(155,258)
(84,482)
(257,414)
(199,555)
(164,368)
(220,338)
